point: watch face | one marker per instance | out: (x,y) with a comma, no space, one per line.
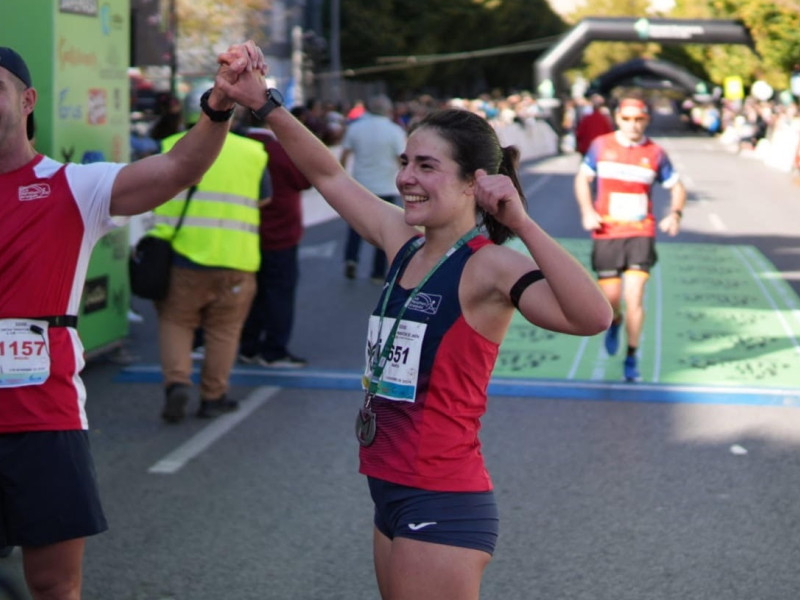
(276,96)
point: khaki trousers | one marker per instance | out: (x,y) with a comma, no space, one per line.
(218,300)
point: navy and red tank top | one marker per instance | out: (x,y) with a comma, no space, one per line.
(439,372)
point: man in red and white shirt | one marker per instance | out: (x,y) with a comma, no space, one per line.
(626,164)
(52,215)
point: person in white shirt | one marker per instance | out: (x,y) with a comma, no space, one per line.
(375,143)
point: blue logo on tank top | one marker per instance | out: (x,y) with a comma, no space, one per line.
(426,303)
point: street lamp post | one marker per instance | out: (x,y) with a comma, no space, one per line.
(336,59)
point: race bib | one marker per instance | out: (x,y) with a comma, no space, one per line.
(24,352)
(400,375)
(627,207)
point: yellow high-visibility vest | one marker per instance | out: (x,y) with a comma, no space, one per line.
(220,228)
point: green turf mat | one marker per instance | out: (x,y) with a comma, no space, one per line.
(716,315)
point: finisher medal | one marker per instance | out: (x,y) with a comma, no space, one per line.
(366,423)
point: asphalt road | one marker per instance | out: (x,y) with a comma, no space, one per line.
(600,499)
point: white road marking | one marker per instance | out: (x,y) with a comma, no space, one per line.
(659,322)
(716,222)
(578,358)
(540,181)
(324,250)
(205,438)
(778,313)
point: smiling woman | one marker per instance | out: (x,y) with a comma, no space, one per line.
(433,338)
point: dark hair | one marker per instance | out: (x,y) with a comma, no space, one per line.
(475,146)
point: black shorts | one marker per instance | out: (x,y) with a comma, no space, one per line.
(612,257)
(48,491)
(463,519)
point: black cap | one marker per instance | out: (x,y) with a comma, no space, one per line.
(13,63)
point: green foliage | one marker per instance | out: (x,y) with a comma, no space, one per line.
(208,27)
(774,27)
(378,28)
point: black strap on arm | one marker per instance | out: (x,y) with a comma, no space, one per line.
(59,320)
(522,283)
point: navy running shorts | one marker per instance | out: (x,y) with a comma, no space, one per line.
(612,257)
(464,519)
(48,491)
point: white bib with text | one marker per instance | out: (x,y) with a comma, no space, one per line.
(24,353)
(399,381)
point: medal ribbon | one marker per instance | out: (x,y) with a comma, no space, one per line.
(378,363)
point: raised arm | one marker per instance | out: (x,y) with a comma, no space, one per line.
(375,220)
(568,298)
(144,184)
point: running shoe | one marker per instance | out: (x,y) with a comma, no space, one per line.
(631,369)
(612,337)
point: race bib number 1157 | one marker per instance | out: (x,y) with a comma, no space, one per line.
(24,352)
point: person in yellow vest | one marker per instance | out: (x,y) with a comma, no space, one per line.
(212,281)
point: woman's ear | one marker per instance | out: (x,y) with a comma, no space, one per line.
(469,187)
(470,183)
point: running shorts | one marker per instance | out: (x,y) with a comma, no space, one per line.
(48,491)
(464,519)
(612,257)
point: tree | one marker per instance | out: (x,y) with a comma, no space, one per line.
(375,29)
(774,27)
(208,27)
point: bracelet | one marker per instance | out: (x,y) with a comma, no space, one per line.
(677,212)
(218,116)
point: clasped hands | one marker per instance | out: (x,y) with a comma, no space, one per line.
(240,76)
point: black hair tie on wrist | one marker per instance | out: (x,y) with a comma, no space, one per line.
(522,283)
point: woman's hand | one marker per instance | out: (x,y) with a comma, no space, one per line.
(497,195)
(241,74)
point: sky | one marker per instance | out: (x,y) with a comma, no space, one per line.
(563,7)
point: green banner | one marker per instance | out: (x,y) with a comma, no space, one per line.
(78,53)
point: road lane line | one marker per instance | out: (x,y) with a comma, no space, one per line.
(716,222)
(205,438)
(600,364)
(775,280)
(578,357)
(506,386)
(659,323)
(778,313)
(540,181)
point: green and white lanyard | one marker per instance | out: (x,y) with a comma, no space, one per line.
(366,421)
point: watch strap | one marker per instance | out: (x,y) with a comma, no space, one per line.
(218,116)
(271,104)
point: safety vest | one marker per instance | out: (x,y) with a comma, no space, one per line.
(220,228)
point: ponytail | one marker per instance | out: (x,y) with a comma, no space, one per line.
(497,232)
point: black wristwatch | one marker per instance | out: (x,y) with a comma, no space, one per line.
(274,100)
(218,116)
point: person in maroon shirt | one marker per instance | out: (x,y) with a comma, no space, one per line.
(593,125)
(268,327)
